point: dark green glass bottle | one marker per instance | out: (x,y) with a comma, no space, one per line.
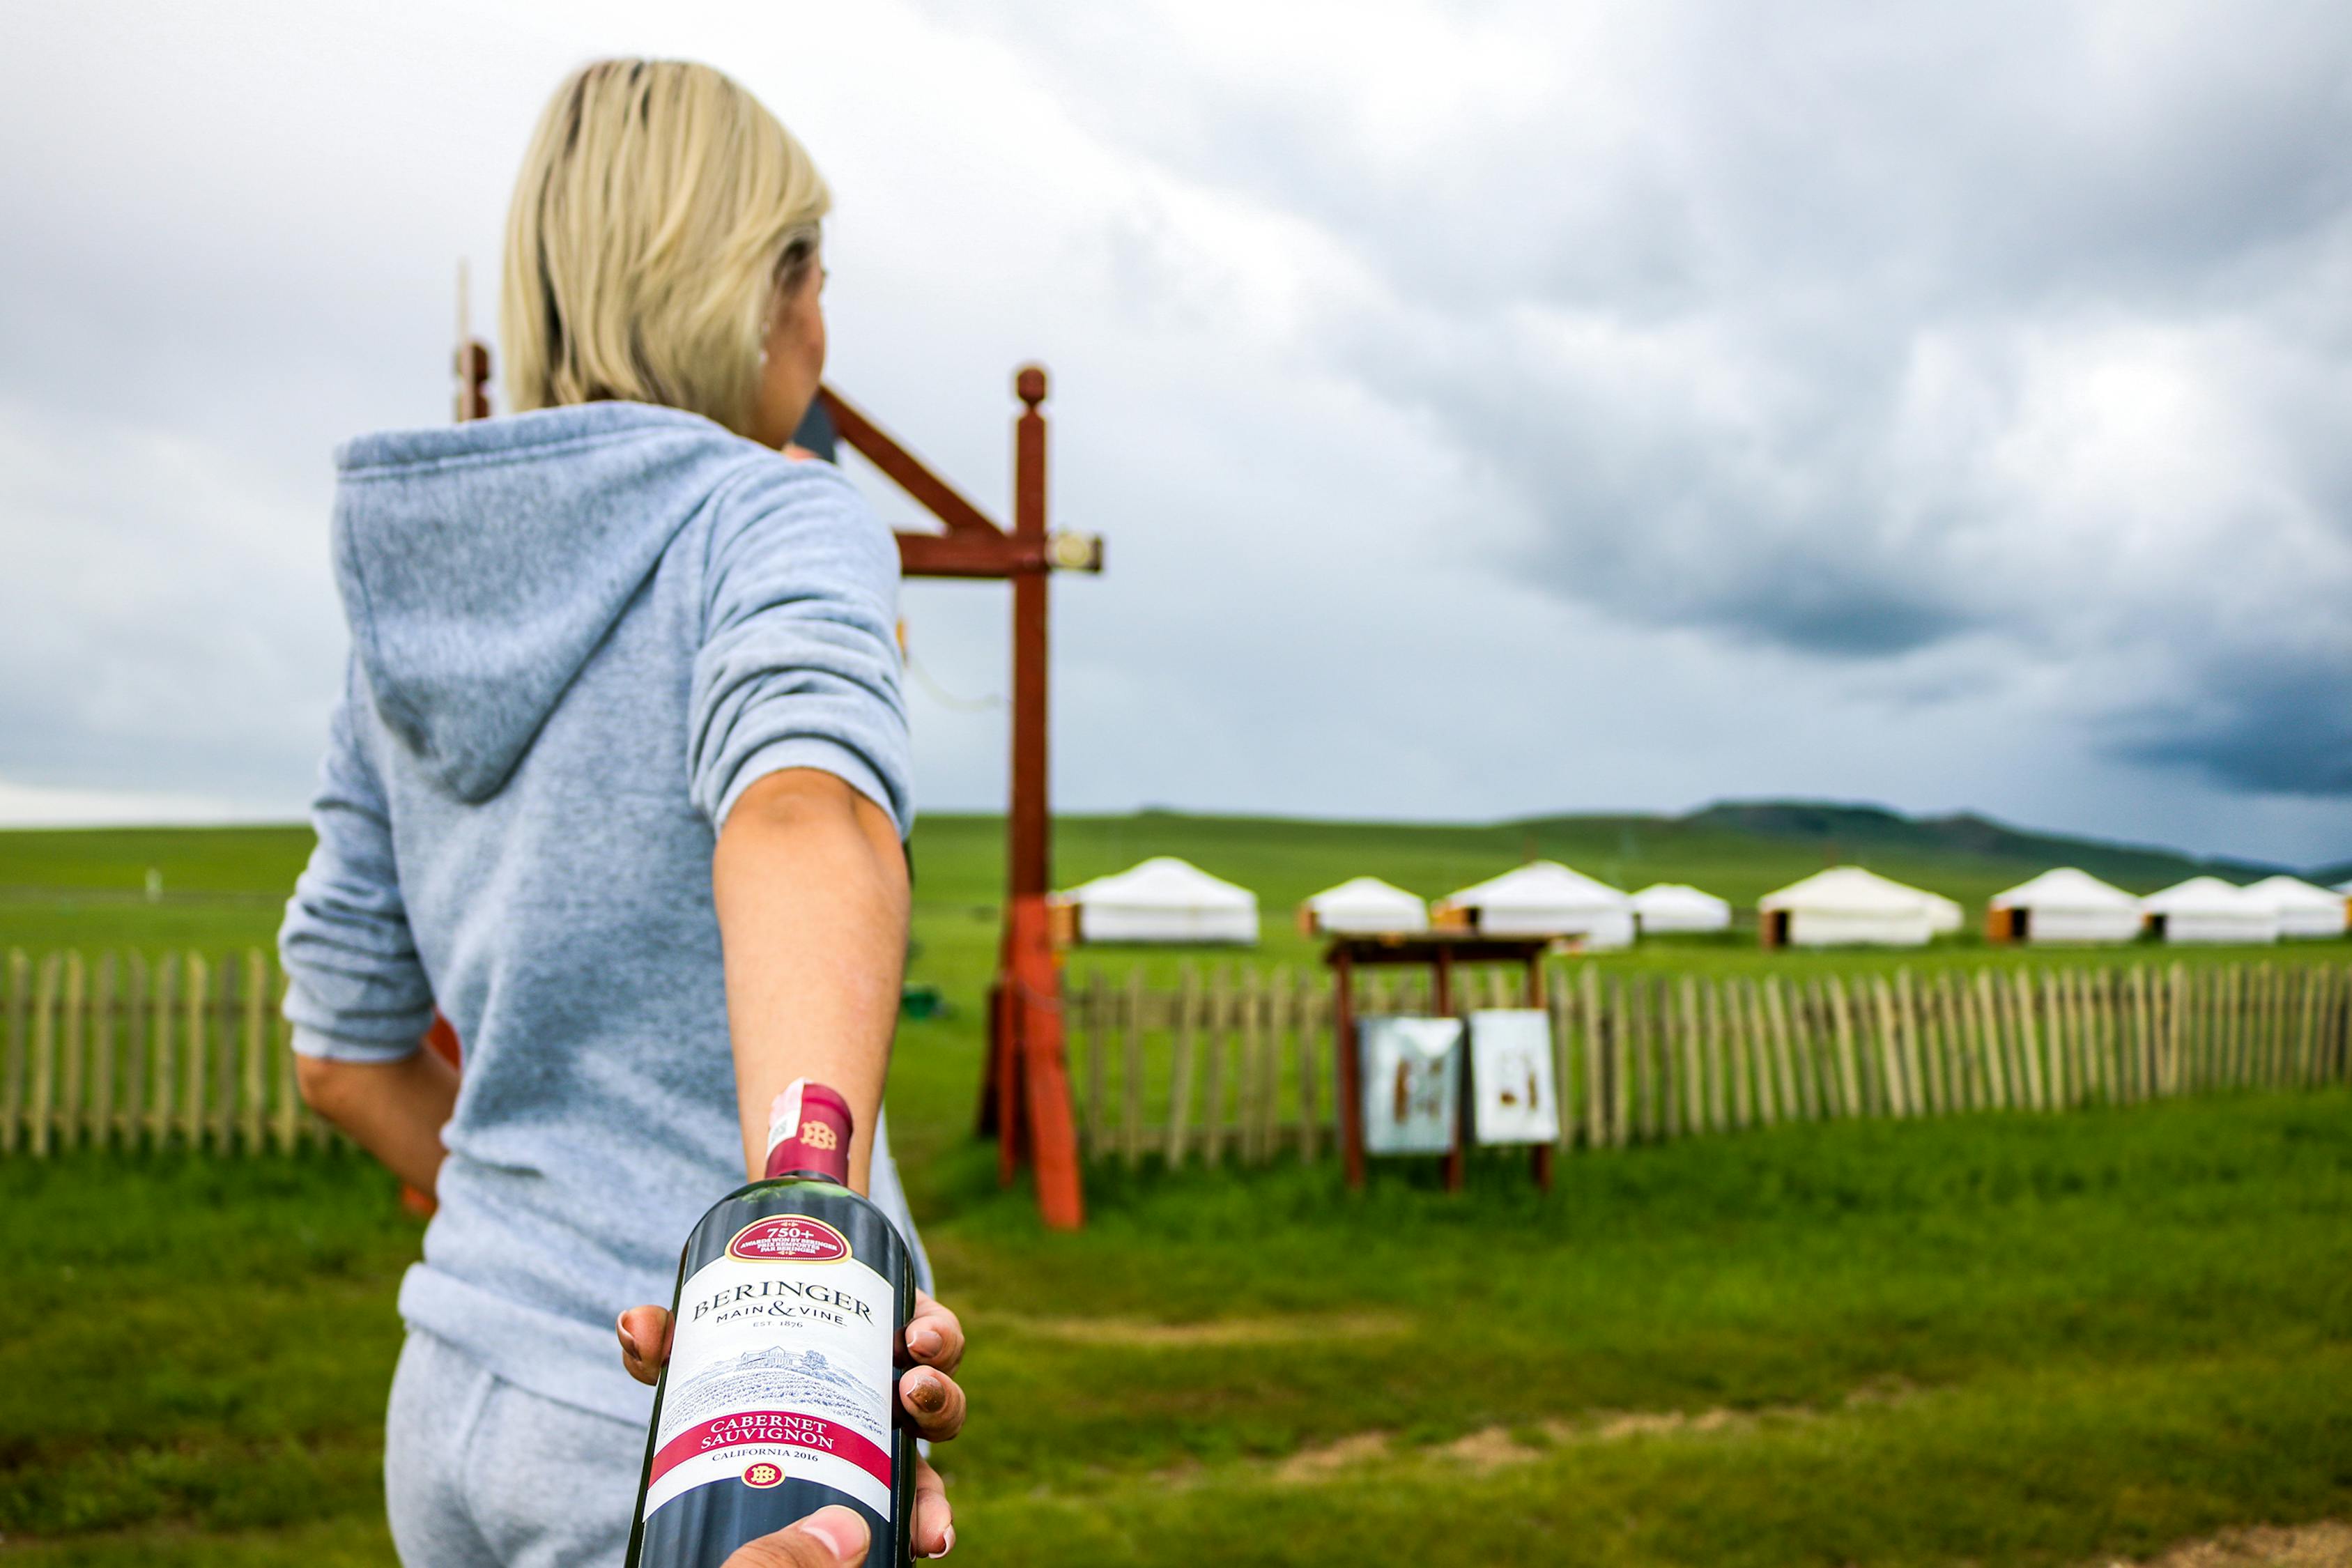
(790,1332)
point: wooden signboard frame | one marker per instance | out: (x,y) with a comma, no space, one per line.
(1441,951)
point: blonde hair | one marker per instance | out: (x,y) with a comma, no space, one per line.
(659,210)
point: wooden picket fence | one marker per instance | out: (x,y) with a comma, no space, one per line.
(1242,1067)
(123,1051)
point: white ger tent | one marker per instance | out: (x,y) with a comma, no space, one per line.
(2208,910)
(1363,906)
(1675,907)
(2064,905)
(1163,899)
(1544,898)
(2303,910)
(1847,906)
(1945,915)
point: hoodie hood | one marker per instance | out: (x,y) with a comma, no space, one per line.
(482,564)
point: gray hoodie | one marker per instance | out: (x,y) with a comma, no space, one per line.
(576,636)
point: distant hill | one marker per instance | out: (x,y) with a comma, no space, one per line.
(1857,831)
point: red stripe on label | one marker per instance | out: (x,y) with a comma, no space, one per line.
(786,1427)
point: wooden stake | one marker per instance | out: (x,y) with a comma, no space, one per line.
(45,1057)
(1848,1064)
(19,1047)
(131,1115)
(256,1051)
(67,1115)
(160,1118)
(1795,1095)
(287,1126)
(1179,1104)
(1599,1122)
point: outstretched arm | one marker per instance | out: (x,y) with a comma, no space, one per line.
(810,883)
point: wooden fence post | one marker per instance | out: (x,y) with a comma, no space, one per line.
(97,1120)
(256,1051)
(43,1093)
(1597,1120)
(1755,1047)
(288,1126)
(1962,1089)
(1993,1040)
(1849,1066)
(194,1005)
(1560,1017)
(162,1011)
(73,1036)
(131,1116)
(1082,1024)
(2047,997)
(1689,1032)
(2028,1039)
(1314,1022)
(1893,1093)
(1797,1093)
(1922,1095)
(18,1046)
(2143,1017)
(1180,1103)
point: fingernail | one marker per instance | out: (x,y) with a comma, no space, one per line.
(948,1544)
(923,1342)
(628,1340)
(841,1529)
(931,1391)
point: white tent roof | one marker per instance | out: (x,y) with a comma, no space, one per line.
(1850,890)
(1364,901)
(1164,882)
(1539,885)
(2201,895)
(2294,893)
(1678,898)
(2064,889)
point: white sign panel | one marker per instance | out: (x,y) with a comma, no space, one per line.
(1410,1068)
(1512,1097)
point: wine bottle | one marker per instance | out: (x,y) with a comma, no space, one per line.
(790,1327)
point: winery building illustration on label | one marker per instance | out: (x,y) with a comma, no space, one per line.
(781,1368)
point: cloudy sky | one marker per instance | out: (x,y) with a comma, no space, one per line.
(1490,409)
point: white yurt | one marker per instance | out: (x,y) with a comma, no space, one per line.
(1945,915)
(1363,906)
(1543,897)
(1163,899)
(2208,910)
(2065,905)
(2303,910)
(1847,906)
(1675,907)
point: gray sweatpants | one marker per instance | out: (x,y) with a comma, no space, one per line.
(480,1474)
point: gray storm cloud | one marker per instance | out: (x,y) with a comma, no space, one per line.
(1860,333)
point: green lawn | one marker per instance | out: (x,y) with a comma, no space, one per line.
(1989,1340)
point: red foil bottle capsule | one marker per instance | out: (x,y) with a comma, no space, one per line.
(790,1329)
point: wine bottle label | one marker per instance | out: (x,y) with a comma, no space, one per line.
(780,1369)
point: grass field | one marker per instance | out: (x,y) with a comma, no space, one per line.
(1990,1340)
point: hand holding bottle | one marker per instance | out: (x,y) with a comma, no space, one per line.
(928,1392)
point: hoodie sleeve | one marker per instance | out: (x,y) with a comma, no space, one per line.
(799,663)
(355,991)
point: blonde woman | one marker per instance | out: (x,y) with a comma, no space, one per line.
(618,781)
